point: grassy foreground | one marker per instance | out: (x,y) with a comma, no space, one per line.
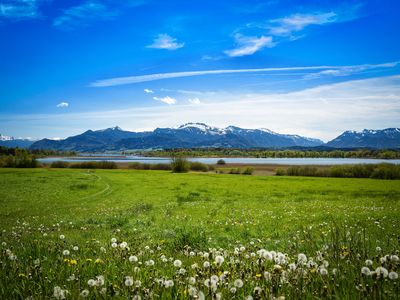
(71,234)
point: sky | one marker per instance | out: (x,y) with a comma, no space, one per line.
(311,67)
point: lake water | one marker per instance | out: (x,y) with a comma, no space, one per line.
(233,160)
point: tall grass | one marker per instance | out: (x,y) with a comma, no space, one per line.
(94,165)
(377,171)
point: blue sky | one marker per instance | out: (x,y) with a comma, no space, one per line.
(314,68)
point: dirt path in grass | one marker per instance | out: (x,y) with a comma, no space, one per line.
(106,190)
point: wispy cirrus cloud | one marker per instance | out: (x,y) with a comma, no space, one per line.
(317,69)
(84,14)
(195,101)
(168,100)
(20,9)
(148,91)
(247,45)
(165,41)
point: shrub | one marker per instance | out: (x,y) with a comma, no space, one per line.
(235,171)
(179,164)
(248,171)
(94,165)
(198,166)
(59,164)
(18,161)
(221,162)
(280,172)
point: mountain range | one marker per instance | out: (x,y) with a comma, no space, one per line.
(9,141)
(197,135)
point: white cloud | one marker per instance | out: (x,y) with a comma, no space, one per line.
(148,91)
(19,9)
(63,104)
(168,100)
(165,41)
(194,101)
(247,45)
(288,25)
(84,14)
(159,76)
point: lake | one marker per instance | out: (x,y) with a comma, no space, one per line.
(228,160)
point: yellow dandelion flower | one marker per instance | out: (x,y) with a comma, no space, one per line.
(258,275)
(21,275)
(89,260)
(73,262)
(98,261)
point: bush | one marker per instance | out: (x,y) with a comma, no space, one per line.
(94,165)
(280,172)
(142,166)
(179,164)
(235,171)
(18,161)
(248,171)
(59,164)
(221,162)
(198,166)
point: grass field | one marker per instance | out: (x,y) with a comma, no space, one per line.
(70,233)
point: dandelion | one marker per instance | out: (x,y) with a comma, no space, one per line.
(84,293)
(393,275)
(91,282)
(368,263)
(381,271)
(214,278)
(177,263)
(192,280)
(62,237)
(378,249)
(206,264)
(267,276)
(323,271)
(102,249)
(114,245)
(75,248)
(149,262)
(113,240)
(138,283)
(302,258)
(238,283)
(100,280)
(137,297)
(133,258)
(66,252)
(219,260)
(366,271)
(123,245)
(394,258)
(233,290)
(128,281)
(169,283)
(59,293)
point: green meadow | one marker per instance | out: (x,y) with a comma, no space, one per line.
(99,234)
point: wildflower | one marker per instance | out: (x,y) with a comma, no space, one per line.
(84,293)
(323,271)
(75,248)
(393,275)
(194,266)
(267,276)
(381,271)
(138,283)
(368,263)
(91,282)
(177,263)
(59,293)
(169,283)
(192,280)
(302,258)
(206,264)
(98,261)
(182,271)
(394,258)
(219,260)
(149,262)
(4,244)
(214,278)
(238,283)
(66,252)
(102,249)
(378,249)
(233,290)
(128,281)
(113,240)
(62,237)
(123,245)
(114,245)
(366,271)
(137,297)
(133,258)
(100,280)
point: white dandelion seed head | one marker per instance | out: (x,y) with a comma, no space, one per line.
(177,263)
(75,248)
(267,276)
(365,271)
(238,283)
(123,245)
(233,290)
(368,262)
(128,281)
(84,293)
(394,258)
(91,282)
(302,258)
(206,264)
(113,240)
(133,258)
(66,252)
(114,245)
(393,275)
(192,280)
(219,260)
(62,237)
(381,271)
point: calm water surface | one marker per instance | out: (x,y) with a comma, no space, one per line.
(233,160)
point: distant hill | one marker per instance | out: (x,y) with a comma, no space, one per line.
(380,139)
(11,142)
(190,135)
